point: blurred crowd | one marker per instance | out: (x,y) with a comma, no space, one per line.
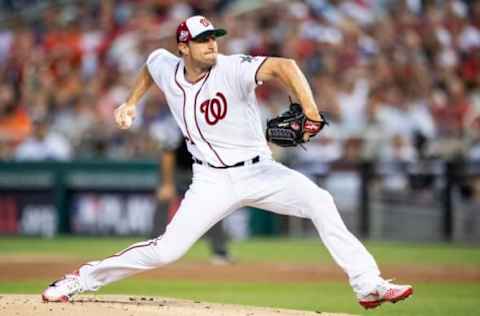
(399,79)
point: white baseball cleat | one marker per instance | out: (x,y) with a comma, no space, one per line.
(385,292)
(63,289)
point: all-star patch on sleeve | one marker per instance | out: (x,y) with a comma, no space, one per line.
(245,68)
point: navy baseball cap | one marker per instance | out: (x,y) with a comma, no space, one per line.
(197,27)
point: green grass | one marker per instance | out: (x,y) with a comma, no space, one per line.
(439,299)
(266,250)
(312,250)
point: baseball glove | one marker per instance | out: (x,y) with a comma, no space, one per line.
(288,129)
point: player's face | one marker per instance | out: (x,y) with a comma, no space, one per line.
(204,51)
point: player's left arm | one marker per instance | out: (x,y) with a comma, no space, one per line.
(289,74)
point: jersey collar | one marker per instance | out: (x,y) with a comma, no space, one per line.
(180,75)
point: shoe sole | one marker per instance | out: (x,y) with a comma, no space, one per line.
(374,304)
(62,299)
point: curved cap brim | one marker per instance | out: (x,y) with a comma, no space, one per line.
(214,32)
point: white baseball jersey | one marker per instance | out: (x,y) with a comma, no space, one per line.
(218,114)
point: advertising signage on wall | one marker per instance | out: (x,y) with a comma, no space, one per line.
(112,213)
(88,197)
(28,212)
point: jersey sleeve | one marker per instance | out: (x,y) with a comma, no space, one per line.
(246,69)
(158,63)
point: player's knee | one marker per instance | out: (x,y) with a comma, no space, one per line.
(326,197)
(165,257)
(321,200)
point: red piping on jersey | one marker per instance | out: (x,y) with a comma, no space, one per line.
(260,66)
(184,103)
(196,122)
(134,246)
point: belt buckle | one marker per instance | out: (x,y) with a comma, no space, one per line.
(251,161)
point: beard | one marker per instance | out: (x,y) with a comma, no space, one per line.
(206,64)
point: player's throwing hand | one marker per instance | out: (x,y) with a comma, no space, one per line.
(124,115)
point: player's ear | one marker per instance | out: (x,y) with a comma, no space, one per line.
(183,49)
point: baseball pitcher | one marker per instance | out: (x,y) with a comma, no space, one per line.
(212,98)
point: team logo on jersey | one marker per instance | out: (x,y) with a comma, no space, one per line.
(214,109)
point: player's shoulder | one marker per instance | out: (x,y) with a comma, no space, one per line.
(239,60)
(162,55)
(233,58)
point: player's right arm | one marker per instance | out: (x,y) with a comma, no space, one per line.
(166,191)
(125,113)
(157,69)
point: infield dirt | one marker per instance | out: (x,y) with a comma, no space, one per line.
(31,305)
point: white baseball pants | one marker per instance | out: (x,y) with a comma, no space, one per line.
(214,194)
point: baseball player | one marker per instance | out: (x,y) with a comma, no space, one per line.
(212,98)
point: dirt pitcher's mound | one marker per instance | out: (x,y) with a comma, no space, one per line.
(117,305)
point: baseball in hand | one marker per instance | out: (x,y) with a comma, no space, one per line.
(124,116)
(127,120)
